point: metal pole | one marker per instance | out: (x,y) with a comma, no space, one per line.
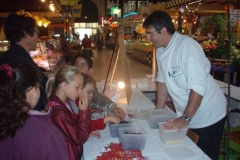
(228,50)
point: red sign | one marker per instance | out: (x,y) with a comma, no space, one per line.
(137,17)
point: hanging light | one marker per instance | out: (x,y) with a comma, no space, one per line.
(39,21)
(51,6)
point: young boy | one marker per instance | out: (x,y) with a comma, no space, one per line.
(98,120)
(84,63)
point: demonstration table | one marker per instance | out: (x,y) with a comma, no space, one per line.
(155,149)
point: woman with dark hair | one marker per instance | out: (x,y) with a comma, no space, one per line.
(25,133)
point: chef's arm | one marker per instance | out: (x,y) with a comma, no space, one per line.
(194,102)
(162,95)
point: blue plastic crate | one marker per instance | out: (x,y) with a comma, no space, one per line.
(231,68)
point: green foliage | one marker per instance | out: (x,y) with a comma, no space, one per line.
(215,20)
(236,62)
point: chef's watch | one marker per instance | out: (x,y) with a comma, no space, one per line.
(186,118)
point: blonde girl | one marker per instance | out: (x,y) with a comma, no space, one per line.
(67,86)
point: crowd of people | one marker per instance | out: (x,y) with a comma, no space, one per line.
(50,118)
(37,120)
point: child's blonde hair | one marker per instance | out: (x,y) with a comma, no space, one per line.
(65,74)
(88,79)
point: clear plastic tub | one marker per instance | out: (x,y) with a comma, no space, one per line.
(172,136)
(133,138)
(114,128)
(159,115)
(138,114)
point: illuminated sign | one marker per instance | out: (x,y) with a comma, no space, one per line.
(134,17)
(114,25)
(112,10)
(129,14)
(77,10)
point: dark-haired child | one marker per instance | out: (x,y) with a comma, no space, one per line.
(102,103)
(25,133)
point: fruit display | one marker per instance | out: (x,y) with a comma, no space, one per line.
(234,52)
(234,138)
(139,29)
(209,44)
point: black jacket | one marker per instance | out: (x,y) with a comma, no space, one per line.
(16,53)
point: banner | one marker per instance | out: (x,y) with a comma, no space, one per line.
(69,2)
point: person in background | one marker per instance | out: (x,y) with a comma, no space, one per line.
(99,40)
(65,49)
(183,73)
(108,35)
(98,121)
(67,86)
(86,43)
(76,38)
(93,40)
(25,133)
(100,102)
(21,32)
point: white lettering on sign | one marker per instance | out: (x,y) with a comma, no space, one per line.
(235,15)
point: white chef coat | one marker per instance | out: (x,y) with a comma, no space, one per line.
(182,66)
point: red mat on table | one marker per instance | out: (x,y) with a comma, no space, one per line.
(115,152)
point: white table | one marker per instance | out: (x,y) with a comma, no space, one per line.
(234,91)
(155,149)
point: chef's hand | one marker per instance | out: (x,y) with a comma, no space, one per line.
(175,123)
(119,112)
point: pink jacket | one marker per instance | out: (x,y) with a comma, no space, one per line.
(75,131)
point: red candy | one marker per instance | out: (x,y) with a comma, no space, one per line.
(117,153)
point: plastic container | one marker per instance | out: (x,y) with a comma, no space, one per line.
(114,128)
(159,115)
(172,136)
(138,114)
(133,138)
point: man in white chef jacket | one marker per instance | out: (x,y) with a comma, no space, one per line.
(184,74)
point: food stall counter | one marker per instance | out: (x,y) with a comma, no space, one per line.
(143,53)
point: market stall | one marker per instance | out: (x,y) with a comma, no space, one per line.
(143,53)
(48,55)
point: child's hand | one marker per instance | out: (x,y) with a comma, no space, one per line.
(112,119)
(95,134)
(119,112)
(83,103)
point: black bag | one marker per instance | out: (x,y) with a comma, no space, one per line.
(88,52)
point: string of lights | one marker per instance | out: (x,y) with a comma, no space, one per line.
(189,10)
